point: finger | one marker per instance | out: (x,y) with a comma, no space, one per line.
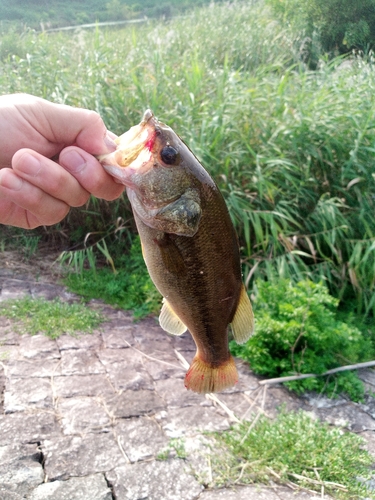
(90,173)
(49,176)
(29,206)
(14,215)
(69,125)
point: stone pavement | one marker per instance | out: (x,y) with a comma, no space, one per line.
(92,417)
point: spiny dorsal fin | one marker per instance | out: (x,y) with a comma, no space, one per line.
(169,320)
(243,321)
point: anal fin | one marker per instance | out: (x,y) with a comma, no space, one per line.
(169,320)
(243,321)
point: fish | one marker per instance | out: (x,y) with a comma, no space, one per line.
(189,245)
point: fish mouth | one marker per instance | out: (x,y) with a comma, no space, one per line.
(134,149)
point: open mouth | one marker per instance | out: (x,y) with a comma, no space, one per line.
(133,148)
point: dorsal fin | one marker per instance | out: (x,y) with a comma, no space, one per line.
(169,320)
(243,321)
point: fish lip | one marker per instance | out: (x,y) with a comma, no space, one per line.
(134,149)
(147,116)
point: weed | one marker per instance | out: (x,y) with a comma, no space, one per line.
(175,448)
(53,318)
(293,447)
(129,288)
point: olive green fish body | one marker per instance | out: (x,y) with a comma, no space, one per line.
(189,245)
(199,276)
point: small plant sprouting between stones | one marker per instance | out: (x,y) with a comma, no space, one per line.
(294,447)
(175,448)
(297,331)
(52,318)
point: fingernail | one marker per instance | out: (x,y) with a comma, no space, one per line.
(110,143)
(72,161)
(29,165)
(10,180)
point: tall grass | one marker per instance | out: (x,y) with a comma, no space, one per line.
(291,149)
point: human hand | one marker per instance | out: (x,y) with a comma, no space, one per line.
(34,189)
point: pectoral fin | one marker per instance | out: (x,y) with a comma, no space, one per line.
(243,321)
(169,320)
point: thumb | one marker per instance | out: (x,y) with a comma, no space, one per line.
(82,127)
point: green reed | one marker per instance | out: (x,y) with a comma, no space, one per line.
(291,149)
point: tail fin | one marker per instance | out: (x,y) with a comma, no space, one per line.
(202,377)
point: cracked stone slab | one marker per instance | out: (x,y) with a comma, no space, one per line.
(8,352)
(141,438)
(154,480)
(22,471)
(92,487)
(179,422)
(38,346)
(80,362)
(151,339)
(5,494)
(81,455)
(16,451)
(278,396)
(176,395)
(118,337)
(21,393)
(14,291)
(368,406)
(166,366)
(48,291)
(239,403)
(199,450)
(29,427)
(86,341)
(320,401)
(82,385)
(135,403)
(125,369)
(7,335)
(83,414)
(349,416)
(32,368)
(184,342)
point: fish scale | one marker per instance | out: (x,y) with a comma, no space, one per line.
(189,245)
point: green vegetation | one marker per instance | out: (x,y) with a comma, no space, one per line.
(129,287)
(334,26)
(297,332)
(293,447)
(52,318)
(175,448)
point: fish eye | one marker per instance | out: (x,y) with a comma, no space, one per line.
(169,155)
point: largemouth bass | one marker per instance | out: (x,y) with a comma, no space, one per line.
(189,245)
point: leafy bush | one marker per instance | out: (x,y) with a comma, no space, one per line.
(341,25)
(297,332)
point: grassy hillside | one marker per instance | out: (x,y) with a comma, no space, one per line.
(292,149)
(50,14)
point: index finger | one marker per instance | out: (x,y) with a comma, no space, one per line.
(90,173)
